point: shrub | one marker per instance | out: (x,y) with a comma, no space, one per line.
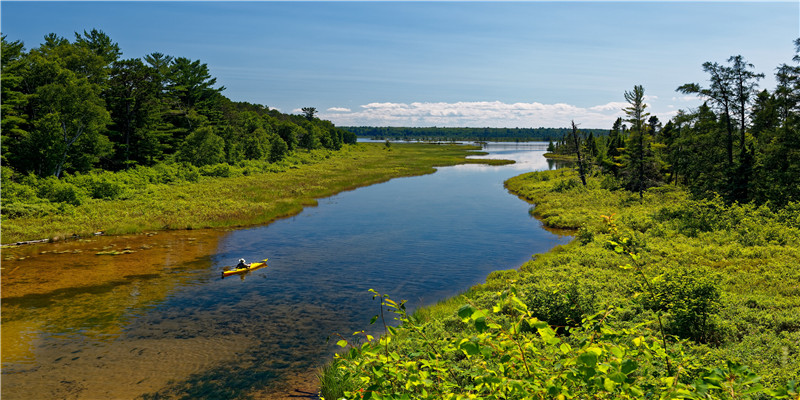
(104,185)
(219,170)
(691,299)
(202,147)
(564,185)
(493,360)
(561,306)
(60,191)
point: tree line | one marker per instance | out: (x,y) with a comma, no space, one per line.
(742,143)
(78,106)
(447,134)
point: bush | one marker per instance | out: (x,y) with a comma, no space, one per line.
(691,299)
(562,306)
(60,191)
(20,210)
(218,170)
(104,185)
(496,359)
(564,185)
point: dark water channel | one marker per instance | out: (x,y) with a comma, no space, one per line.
(158,322)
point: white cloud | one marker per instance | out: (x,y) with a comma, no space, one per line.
(685,98)
(477,114)
(339,109)
(612,106)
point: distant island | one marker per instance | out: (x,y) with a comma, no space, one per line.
(477,134)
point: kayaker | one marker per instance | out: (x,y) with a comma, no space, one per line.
(241,264)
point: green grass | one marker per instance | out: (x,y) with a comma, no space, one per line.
(752,253)
(256,198)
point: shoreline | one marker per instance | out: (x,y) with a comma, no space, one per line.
(244,201)
(744,254)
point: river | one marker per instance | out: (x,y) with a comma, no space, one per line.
(148,316)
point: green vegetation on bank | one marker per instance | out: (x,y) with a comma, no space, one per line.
(477,134)
(721,279)
(181,196)
(77,107)
(682,280)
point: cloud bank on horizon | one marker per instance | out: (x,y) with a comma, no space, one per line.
(492,114)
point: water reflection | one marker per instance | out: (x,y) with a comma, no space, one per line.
(160,322)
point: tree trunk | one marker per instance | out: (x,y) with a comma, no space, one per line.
(581,171)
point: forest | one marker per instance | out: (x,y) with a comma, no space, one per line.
(741,144)
(681,281)
(465,133)
(74,112)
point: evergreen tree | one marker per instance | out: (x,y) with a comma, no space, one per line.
(639,170)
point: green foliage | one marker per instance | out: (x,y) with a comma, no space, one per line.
(202,147)
(691,298)
(75,106)
(506,352)
(103,185)
(173,195)
(690,308)
(60,191)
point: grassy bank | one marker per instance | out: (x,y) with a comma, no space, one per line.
(709,302)
(561,157)
(253,197)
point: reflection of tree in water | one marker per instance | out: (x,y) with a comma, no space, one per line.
(556,164)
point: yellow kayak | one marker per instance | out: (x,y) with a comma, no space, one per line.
(250,267)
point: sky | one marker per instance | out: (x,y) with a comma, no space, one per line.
(455,64)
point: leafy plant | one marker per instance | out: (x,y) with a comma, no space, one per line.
(502,359)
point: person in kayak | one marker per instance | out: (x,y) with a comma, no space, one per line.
(241,264)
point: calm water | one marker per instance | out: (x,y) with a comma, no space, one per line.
(160,322)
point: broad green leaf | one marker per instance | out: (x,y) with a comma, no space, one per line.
(470,348)
(480,324)
(628,366)
(589,359)
(466,311)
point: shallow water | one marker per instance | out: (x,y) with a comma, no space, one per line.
(157,320)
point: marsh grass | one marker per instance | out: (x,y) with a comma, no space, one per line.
(751,253)
(242,200)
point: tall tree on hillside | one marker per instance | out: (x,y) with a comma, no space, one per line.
(132,98)
(14,124)
(160,64)
(722,97)
(576,140)
(190,83)
(639,167)
(66,109)
(787,94)
(309,112)
(745,82)
(777,164)
(100,44)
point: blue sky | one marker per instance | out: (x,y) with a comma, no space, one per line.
(511,64)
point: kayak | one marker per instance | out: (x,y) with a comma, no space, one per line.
(250,267)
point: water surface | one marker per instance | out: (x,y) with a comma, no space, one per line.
(157,321)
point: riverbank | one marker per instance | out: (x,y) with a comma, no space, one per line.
(217,202)
(722,280)
(561,157)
